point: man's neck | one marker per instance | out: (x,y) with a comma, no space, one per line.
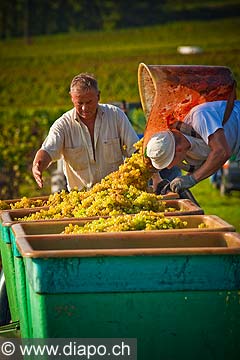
(186,144)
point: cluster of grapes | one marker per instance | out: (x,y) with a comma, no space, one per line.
(4,205)
(120,192)
(144,220)
(24,202)
(132,172)
(125,200)
(60,205)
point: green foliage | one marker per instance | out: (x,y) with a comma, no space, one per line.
(35,79)
(138,120)
(38,75)
(58,16)
(19,140)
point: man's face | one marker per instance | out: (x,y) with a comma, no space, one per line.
(86,103)
(179,156)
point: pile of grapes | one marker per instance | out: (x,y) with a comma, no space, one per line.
(144,220)
(120,192)
(24,202)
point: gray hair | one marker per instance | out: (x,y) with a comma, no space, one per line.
(83,81)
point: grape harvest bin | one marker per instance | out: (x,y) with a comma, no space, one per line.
(162,289)
(182,206)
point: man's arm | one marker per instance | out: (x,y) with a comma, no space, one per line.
(156,179)
(220,153)
(41,162)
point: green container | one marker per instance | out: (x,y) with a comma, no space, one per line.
(22,297)
(33,201)
(181,206)
(209,222)
(9,271)
(214,223)
(15,279)
(178,294)
(6,246)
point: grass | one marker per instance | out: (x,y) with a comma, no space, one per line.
(226,207)
(38,75)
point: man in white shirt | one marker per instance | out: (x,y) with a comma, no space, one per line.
(92,138)
(200,146)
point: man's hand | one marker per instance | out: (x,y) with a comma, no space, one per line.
(162,187)
(41,162)
(182,183)
(37,173)
(156,179)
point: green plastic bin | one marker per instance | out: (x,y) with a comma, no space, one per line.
(8,218)
(32,199)
(181,206)
(209,222)
(177,293)
(6,240)
(9,272)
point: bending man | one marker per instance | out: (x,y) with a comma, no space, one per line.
(201,144)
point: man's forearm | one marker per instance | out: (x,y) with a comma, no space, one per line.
(220,153)
(214,162)
(41,162)
(156,178)
(43,159)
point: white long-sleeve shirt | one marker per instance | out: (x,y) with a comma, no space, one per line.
(70,139)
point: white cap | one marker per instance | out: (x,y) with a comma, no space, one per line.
(161,149)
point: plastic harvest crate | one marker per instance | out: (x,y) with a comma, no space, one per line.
(6,237)
(8,217)
(9,274)
(211,223)
(214,223)
(177,293)
(182,206)
(14,201)
(7,258)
